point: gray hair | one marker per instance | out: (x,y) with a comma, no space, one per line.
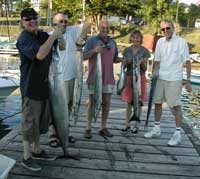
(169,22)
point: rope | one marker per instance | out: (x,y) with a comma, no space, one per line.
(2,119)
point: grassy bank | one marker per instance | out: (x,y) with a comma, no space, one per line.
(120,33)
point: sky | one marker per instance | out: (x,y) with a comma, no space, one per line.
(188,1)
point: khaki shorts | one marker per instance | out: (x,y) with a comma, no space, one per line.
(107,89)
(69,85)
(36,118)
(168,91)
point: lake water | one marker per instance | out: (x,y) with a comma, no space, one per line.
(10,113)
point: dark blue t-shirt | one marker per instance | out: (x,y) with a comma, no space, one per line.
(34,72)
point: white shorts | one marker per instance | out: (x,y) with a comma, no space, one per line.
(168,91)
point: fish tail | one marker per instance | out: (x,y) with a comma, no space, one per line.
(134,118)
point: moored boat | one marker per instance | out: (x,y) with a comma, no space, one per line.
(195,77)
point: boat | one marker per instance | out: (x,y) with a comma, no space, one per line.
(195,77)
(9,82)
(6,164)
(195,57)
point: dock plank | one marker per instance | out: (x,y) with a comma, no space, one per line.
(125,156)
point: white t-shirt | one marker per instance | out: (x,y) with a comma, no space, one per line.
(172,55)
(69,63)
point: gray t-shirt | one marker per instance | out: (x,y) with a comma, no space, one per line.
(141,53)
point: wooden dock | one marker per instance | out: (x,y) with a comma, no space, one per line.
(120,157)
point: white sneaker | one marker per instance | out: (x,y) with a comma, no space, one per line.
(175,139)
(155,132)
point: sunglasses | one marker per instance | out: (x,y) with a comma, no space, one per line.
(166,28)
(61,22)
(30,18)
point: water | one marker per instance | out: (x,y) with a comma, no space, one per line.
(10,113)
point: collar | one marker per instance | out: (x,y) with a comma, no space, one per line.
(172,37)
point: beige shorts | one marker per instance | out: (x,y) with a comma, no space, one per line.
(107,89)
(69,85)
(36,118)
(168,91)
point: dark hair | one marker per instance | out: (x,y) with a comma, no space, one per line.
(137,32)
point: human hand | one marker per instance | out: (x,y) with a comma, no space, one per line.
(98,49)
(188,86)
(57,32)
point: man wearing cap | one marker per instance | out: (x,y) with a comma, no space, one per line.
(35,55)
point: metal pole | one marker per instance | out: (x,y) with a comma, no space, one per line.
(83,13)
(49,14)
(177,8)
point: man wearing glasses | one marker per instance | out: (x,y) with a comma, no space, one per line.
(171,55)
(35,55)
(74,35)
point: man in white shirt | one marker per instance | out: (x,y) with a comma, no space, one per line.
(171,55)
(72,34)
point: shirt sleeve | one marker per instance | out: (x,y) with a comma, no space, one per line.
(185,51)
(157,51)
(28,46)
(75,31)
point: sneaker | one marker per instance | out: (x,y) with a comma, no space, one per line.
(88,134)
(175,139)
(30,164)
(127,129)
(155,132)
(105,133)
(135,130)
(42,156)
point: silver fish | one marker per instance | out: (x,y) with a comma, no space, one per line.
(136,90)
(122,81)
(97,97)
(58,102)
(77,86)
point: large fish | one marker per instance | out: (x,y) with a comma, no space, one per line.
(58,102)
(136,90)
(122,81)
(151,95)
(97,97)
(77,85)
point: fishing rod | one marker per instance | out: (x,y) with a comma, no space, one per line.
(2,119)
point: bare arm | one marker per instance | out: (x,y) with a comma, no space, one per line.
(156,66)
(92,52)
(46,47)
(85,30)
(188,73)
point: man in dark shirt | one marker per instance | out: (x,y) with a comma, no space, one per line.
(35,54)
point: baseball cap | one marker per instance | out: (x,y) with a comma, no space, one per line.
(28,12)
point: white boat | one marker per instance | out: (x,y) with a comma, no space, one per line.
(9,82)
(6,165)
(195,77)
(195,57)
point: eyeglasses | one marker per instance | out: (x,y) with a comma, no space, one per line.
(30,18)
(166,28)
(60,22)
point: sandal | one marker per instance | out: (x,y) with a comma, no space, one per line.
(71,139)
(135,130)
(127,129)
(53,141)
